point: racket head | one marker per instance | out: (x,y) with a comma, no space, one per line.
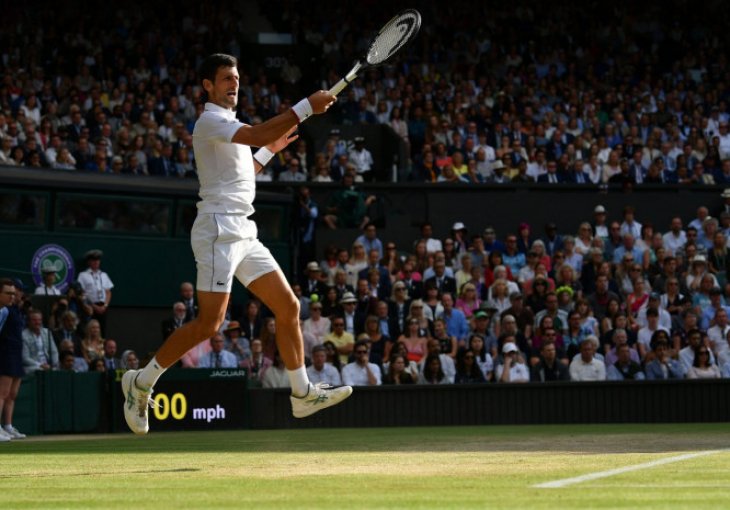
(394,36)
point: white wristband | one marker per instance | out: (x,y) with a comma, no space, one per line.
(263,156)
(303,109)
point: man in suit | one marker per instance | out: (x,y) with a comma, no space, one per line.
(39,349)
(187,296)
(374,263)
(179,317)
(314,284)
(442,282)
(218,357)
(552,176)
(111,361)
(553,241)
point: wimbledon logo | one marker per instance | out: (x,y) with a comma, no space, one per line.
(56,258)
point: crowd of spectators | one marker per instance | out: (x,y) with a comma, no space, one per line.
(513,93)
(619,300)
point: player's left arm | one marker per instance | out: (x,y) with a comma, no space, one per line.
(276,146)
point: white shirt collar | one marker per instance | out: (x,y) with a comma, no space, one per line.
(212,107)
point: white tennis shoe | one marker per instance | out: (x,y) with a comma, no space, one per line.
(4,436)
(136,403)
(320,396)
(13,433)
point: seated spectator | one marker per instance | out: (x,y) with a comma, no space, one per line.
(587,367)
(192,358)
(129,360)
(218,357)
(483,358)
(235,343)
(455,320)
(348,207)
(433,372)
(702,367)
(447,363)
(662,366)
(276,375)
(379,343)
(256,365)
(624,368)
(687,354)
(178,318)
(67,361)
(39,349)
(68,331)
(645,335)
(92,345)
(78,364)
(397,372)
(343,341)
(468,301)
(414,340)
(320,371)
(512,370)
(110,359)
(549,367)
(361,372)
(467,370)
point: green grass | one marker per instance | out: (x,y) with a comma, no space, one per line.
(459,467)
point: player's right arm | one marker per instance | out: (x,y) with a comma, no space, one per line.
(269,132)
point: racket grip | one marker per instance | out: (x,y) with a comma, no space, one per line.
(338,87)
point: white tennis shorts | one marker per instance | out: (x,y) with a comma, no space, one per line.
(225,245)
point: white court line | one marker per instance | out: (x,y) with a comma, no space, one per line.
(611,472)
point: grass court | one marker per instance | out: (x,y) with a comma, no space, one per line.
(674,466)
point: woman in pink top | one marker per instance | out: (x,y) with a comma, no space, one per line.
(412,339)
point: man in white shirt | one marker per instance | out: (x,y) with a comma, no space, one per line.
(587,367)
(630,225)
(361,372)
(48,288)
(97,286)
(512,370)
(225,241)
(718,337)
(362,159)
(687,355)
(675,239)
(320,371)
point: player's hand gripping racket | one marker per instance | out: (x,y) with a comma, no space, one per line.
(394,36)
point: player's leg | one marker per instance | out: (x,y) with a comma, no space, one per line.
(274,291)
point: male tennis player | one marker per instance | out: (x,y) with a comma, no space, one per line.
(225,244)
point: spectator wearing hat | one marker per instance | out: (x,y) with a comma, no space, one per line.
(524,238)
(461,241)
(316,325)
(178,318)
(513,369)
(353,321)
(48,288)
(362,159)
(97,286)
(314,284)
(235,343)
(725,207)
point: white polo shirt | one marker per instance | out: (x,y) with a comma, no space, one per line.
(225,170)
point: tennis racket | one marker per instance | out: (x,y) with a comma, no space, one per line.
(393,37)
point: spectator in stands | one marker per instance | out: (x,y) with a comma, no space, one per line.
(624,368)
(316,325)
(702,367)
(320,371)
(48,288)
(276,376)
(432,372)
(218,357)
(467,370)
(549,367)
(129,360)
(512,370)
(39,348)
(343,341)
(347,208)
(662,365)
(110,359)
(361,372)
(585,366)
(456,324)
(235,343)
(179,317)
(257,364)
(397,372)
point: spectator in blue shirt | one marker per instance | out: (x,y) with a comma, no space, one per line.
(456,324)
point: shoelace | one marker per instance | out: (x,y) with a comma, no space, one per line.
(144,401)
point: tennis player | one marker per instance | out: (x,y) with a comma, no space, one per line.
(225,241)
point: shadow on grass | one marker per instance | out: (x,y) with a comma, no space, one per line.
(100,473)
(593,439)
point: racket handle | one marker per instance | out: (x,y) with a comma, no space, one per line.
(338,87)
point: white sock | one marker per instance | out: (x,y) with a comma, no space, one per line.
(147,378)
(8,427)
(299,381)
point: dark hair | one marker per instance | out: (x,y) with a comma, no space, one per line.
(6,282)
(336,359)
(318,348)
(696,362)
(428,374)
(461,364)
(659,337)
(209,66)
(481,353)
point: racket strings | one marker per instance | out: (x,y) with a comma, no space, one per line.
(396,34)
